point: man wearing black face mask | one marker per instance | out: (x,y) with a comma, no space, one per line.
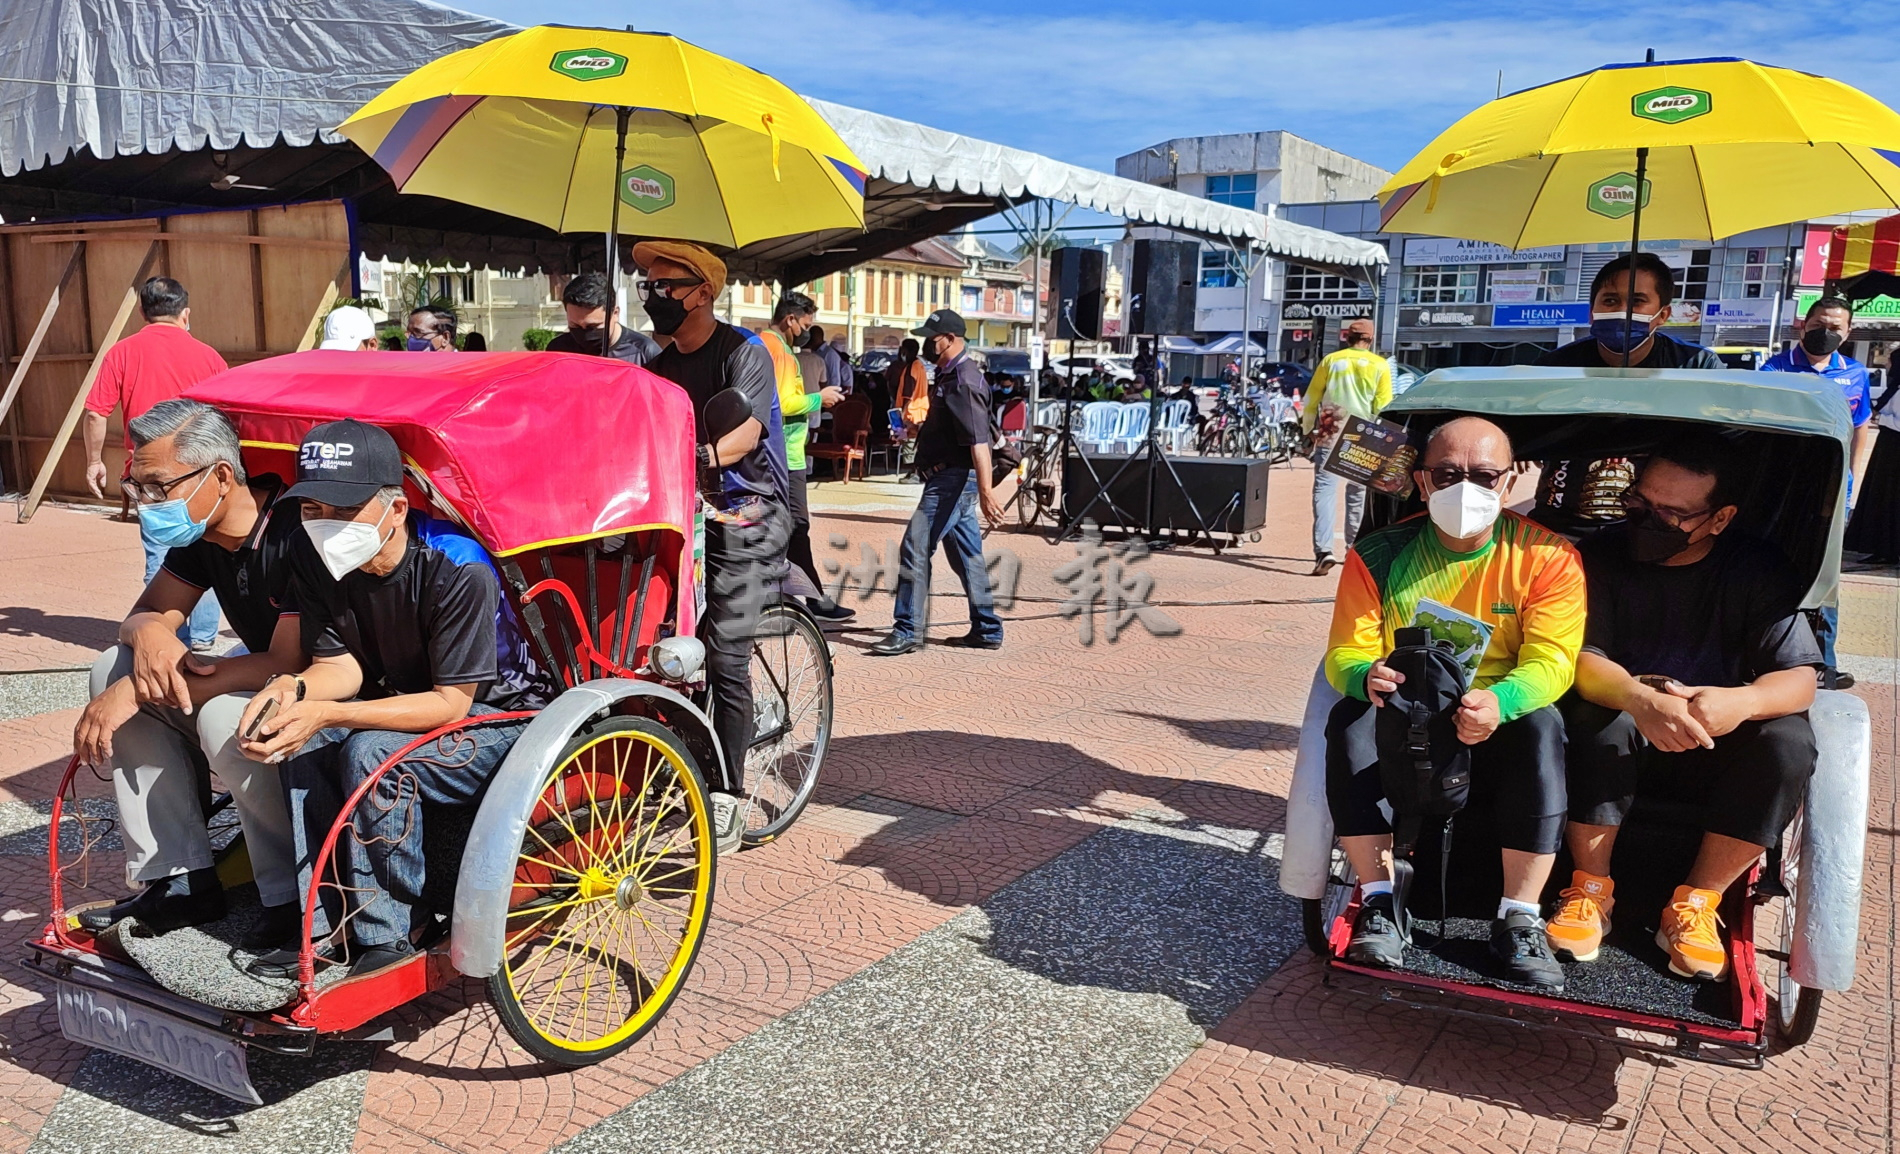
(593,324)
(1627,312)
(1695,678)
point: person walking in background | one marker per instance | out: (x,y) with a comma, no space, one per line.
(593,310)
(1352,381)
(798,401)
(838,370)
(953,459)
(1828,325)
(910,396)
(154,364)
(431,330)
(349,329)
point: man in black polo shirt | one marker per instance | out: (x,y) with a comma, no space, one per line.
(403,622)
(1627,312)
(593,313)
(155,704)
(743,476)
(953,460)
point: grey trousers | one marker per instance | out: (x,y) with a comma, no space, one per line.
(157,787)
(1326,493)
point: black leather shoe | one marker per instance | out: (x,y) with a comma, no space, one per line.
(1377,939)
(829,611)
(973,641)
(1522,950)
(191,899)
(282,963)
(370,959)
(279,927)
(895,646)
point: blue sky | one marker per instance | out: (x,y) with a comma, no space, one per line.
(1089,80)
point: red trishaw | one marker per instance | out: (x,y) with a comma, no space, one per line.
(581,885)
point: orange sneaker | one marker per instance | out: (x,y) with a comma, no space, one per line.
(1583,916)
(1688,932)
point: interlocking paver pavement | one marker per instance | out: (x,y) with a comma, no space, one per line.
(1031,909)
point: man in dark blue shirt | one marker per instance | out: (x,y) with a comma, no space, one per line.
(1627,311)
(403,622)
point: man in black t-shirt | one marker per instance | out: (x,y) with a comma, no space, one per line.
(403,622)
(157,707)
(1694,683)
(1627,311)
(953,461)
(593,312)
(743,476)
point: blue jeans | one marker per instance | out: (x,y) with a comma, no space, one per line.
(379,861)
(945,513)
(202,628)
(1825,630)
(1326,492)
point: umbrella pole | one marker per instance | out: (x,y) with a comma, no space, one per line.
(613,232)
(1636,236)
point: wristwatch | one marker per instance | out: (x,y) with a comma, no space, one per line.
(296,678)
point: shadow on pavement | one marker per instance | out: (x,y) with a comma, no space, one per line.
(1243,734)
(91,632)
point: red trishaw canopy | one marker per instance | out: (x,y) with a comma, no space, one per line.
(527,449)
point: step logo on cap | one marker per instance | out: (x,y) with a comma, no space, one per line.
(646,188)
(1615,196)
(1671,105)
(588,64)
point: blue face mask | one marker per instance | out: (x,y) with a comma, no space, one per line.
(419,345)
(1618,335)
(169,523)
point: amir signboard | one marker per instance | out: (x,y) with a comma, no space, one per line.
(1444,250)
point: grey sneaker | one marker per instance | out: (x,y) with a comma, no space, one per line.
(728,822)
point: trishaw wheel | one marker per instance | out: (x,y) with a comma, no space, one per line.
(612,892)
(791,696)
(1797,1008)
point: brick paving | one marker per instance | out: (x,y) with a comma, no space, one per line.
(954,776)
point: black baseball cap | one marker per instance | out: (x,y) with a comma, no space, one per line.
(345,463)
(942,323)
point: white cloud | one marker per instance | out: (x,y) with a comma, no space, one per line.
(1087,90)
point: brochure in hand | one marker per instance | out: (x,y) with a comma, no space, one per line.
(1371,453)
(1468,636)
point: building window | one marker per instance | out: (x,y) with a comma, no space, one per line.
(1310,284)
(1217,269)
(1752,272)
(1237,190)
(1520,284)
(1439,284)
(1693,282)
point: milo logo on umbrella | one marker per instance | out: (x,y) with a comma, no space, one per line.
(1671,105)
(588,63)
(646,188)
(1615,196)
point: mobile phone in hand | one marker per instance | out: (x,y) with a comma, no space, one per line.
(263,715)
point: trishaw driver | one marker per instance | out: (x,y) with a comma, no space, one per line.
(402,621)
(1526,585)
(743,475)
(1696,675)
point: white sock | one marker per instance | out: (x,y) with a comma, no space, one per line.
(1367,889)
(1507,905)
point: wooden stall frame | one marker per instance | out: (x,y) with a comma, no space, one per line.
(32,348)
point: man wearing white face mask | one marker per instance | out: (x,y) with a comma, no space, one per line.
(406,630)
(1525,584)
(1627,311)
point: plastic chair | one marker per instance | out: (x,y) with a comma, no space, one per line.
(1011,419)
(1100,421)
(1175,426)
(1132,427)
(1049,415)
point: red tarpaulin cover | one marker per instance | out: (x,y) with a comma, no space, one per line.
(528,448)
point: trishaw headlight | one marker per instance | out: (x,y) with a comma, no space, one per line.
(676,658)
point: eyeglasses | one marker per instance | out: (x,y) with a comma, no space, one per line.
(668,287)
(1634,504)
(154,492)
(1445,476)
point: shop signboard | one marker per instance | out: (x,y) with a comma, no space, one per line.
(1877,309)
(1446,250)
(1516,286)
(1325,310)
(1749,311)
(1445,317)
(1814,254)
(1541,316)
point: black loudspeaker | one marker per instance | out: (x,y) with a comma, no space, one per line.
(1076,275)
(1230,493)
(1161,287)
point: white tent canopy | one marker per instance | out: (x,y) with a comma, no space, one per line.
(1230,346)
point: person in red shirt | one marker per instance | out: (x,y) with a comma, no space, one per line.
(154,364)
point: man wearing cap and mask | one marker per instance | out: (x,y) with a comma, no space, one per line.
(1694,683)
(953,461)
(1351,381)
(1627,311)
(1525,585)
(742,474)
(404,624)
(349,329)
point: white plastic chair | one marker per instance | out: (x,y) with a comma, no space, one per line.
(1131,429)
(1100,422)
(1175,427)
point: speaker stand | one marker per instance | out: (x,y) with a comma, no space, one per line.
(1150,452)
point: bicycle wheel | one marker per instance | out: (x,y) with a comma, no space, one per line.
(612,893)
(1026,500)
(1797,1008)
(791,705)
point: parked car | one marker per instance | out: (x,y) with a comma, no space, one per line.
(1404,376)
(1742,356)
(1118,368)
(1286,374)
(1014,362)
(876,360)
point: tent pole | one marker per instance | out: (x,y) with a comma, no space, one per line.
(621,115)
(1636,235)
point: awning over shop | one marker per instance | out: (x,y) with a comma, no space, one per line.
(1863,260)
(124,107)
(1230,346)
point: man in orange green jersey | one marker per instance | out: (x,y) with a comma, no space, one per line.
(1525,585)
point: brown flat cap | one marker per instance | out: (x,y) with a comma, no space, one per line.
(686,254)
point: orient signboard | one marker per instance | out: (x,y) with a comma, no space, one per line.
(1445,317)
(1325,310)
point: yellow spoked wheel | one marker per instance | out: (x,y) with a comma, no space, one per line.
(611,894)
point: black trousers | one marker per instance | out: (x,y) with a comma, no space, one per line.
(798,549)
(1747,787)
(1517,774)
(743,563)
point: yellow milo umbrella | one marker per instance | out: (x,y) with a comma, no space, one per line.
(569,126)
(1715,147)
